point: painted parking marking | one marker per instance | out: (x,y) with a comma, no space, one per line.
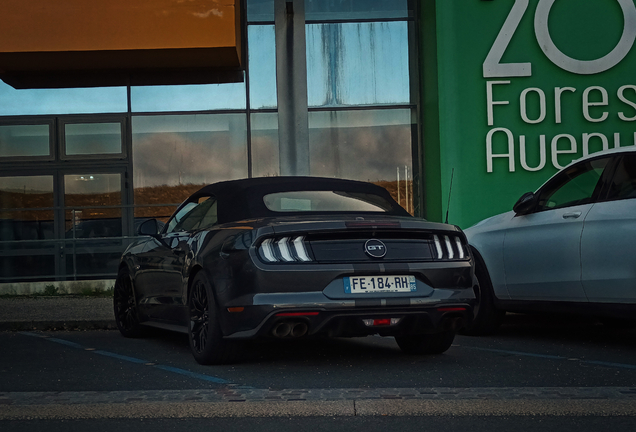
(192,374)
(135,360)
(519,353)
(61,341)
(609,364)
(120,357)
(552,357)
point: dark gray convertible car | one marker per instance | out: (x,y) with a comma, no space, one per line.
(295,257)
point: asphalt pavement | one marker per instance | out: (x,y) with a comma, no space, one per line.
(558,375)
(56,313)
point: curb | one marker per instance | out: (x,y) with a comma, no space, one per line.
(67,325)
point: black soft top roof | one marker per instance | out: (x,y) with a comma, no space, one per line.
(243,199)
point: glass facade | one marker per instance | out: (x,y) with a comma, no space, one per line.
(24,141)
(262,76)
(188,98)
(92,138)
(337,138)
(342,10)
(357,63)
(61,101)
(264,144)
(81,168)
(175,155)
(26,226)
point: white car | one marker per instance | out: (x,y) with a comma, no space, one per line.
(569,247)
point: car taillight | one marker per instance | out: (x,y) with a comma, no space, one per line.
(448,247)
(284,249)
(295,314)
(451,309)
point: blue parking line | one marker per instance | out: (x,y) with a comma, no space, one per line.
(553,357)
(519,353)
(193,374)
(609,364)
(134,360)
(65,342)
(121,357)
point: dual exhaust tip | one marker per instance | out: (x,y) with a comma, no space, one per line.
(290,329)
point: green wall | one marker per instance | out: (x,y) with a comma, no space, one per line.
(597,95)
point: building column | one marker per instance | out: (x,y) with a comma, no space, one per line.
(291,78)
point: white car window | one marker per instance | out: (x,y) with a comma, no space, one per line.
(575,186)
(194,215)
(324,201)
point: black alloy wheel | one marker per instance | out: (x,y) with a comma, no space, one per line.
(436,343)
(125,306)
(206,339)
(199,316)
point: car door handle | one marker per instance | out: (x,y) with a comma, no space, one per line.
(571,215)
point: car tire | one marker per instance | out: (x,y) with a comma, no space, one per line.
(125,306)
(204,332)
(436,343)
(486,317)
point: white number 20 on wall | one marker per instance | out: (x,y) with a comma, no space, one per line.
(494,68)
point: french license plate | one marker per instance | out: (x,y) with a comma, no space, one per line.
(376,284)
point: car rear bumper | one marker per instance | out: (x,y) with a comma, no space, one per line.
(313,313)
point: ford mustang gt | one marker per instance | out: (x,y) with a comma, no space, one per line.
(295,257)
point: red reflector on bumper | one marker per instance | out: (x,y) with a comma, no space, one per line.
(452,309)
(371,322)
(382,322)
(288,314)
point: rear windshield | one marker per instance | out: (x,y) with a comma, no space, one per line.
(325,201)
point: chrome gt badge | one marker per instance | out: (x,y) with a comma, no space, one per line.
(375,248)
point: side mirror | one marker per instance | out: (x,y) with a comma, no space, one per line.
(525,204)
(149,228)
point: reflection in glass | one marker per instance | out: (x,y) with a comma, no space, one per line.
(368,145)
(356,9)
(88,199)
(92,189)
(24,140)
(62,101)
(357,63)
(260,10)
(95,222)
(94,257)
(188,97)
(26,260)
(265,151)
(325,201)
(16,225)
(93,138)
(160,212)
(92,218)
(262,66)
(26,218)
(22,192)
(175,155)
